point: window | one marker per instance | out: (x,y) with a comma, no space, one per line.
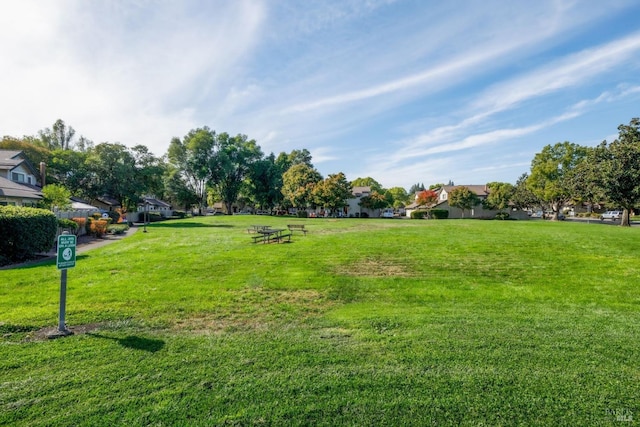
(17,177)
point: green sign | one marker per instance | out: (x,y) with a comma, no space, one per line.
(66,251)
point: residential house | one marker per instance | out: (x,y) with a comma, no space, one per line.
(353,207)
(106,203)
(18,180)
(151,204)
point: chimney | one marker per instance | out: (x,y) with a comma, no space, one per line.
(43,174)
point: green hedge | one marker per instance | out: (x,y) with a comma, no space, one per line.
(439,213)
(418,214)
(25,232)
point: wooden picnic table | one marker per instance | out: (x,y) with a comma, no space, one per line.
(257,228)
(268,235)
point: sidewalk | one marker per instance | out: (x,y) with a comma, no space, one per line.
(83,244)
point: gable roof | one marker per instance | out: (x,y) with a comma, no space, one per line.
(10,159)
(9,188)
(479,190)
(360,191)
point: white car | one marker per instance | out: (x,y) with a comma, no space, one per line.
(612,215)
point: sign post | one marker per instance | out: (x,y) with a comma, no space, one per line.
(65,259)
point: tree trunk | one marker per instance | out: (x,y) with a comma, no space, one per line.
(625,221)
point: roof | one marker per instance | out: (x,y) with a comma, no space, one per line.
(479,190)
(156,202)
(10,159)
(108,201)
(359,191)
(9,188)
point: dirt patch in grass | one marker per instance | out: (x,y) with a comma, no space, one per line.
(51,332)
(371,267)
(258,309)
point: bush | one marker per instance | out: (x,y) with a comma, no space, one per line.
(439,213)
(98,227)
(364,215)
(418,214)
(25,232)
(117,228)
(67,224)
(180,214)
(82,223)
(302,214)
(502,215)
(151,217)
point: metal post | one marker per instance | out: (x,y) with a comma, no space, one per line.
(62,327)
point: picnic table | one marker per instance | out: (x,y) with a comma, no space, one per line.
(268,235)
(298,227)
(257,228)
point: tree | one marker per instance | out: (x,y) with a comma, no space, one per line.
(522,198)
(265,178)
(399,197)
(193,158)
(177,191)
(31,146)
(499,197)
(463,198)
(551,174)
(416,188)
(113,173)
(70,169)
(436,186)
(56,196)
(618,164)
(427,198)
(297,184)
(368,182)
(151,170)
(232,166)
(332,192)
(58,138)
(374,201)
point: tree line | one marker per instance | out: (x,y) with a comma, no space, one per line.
(206,166)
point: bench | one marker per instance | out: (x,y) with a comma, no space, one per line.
(280,237)
(258,238)
(299,227)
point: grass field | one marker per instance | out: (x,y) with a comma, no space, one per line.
(360,322)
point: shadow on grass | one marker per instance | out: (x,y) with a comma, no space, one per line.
(136,343)
(187,225)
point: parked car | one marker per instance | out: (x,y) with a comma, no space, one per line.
(612,215)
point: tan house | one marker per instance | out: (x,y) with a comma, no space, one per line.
(18,180)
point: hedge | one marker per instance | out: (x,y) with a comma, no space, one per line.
(439,213)
(25,232)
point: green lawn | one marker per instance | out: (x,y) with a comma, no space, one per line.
(360,322)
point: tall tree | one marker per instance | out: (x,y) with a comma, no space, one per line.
(500,194)
(619,168)
(297,185)
(374,201)
(399,196)
(194,157)
(151,170)
(522,198)
(463,198)
(416,188)
(332,192)
(551,174)
(70,169)
(58,138)
(113,173)
(266,183)
(232,166)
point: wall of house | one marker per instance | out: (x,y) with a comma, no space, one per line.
(21,175)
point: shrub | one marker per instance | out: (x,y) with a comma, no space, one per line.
(302,214)
(24,232)
(364,215)
(179,214)
(67,223)
(502,215)
(98,227)
(439,213)
(418,214)
(114,217)
(117,228)
(82,223)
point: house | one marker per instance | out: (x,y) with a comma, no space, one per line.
(151,204)
(353,207)
(478,211)
(106,203)
(18,180)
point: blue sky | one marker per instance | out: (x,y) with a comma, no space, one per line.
(403,91)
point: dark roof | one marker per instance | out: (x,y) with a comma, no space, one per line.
(9,188)
(155,202)
(10,159)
